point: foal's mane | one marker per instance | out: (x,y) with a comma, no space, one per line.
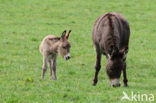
(55,38)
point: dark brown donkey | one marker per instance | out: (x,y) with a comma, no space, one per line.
(110,35)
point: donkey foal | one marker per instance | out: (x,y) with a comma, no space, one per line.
(49,48)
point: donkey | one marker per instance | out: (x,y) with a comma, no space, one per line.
(110,36)
(49,48)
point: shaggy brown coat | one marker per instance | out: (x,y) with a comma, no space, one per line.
(110,36)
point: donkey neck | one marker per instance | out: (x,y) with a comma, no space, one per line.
(54,46)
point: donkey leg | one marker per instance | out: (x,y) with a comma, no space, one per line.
(44,67)
(54,68)
(51,68)
(97,66)
(125,75)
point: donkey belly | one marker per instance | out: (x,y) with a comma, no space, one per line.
(51,57)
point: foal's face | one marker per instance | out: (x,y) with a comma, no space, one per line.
(113,69)
(65,49)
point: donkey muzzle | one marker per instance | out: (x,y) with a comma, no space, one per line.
(115,82)
(66,57)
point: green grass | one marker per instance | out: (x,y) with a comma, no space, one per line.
(24,23)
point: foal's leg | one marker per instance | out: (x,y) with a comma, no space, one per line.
(97,65)
(125,75)
(51,68)
(54,77)
(44,67)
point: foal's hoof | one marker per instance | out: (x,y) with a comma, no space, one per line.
(53,78)
(42,77)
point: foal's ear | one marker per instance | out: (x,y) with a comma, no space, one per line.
(63,34)
(67,36)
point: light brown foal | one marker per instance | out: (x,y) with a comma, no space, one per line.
(50,47)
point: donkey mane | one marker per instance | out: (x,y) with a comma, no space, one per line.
(55,38)
(112,31)
(113,39)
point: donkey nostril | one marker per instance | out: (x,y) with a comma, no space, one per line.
(113,85)
(67,57)
(116,85)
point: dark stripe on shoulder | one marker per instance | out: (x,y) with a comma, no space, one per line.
(56,38)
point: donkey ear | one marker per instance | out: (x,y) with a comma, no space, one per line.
(67,36)
(114,52)
(63,34)
(124,50)
(123,53)
(110,55)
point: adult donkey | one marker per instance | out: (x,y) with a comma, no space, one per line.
(110,36)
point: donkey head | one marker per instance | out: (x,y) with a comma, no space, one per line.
(64,47)
(114,66)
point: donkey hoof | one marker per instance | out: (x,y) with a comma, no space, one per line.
(42,77)
(125,85)
(53,78)
(94,84)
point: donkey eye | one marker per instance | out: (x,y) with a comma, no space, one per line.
(64,47)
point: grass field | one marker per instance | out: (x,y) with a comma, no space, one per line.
(24,23)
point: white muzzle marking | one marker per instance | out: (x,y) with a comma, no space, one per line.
(115,82)
(67,56)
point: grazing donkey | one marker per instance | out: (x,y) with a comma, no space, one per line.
(110,36)
(49,48)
